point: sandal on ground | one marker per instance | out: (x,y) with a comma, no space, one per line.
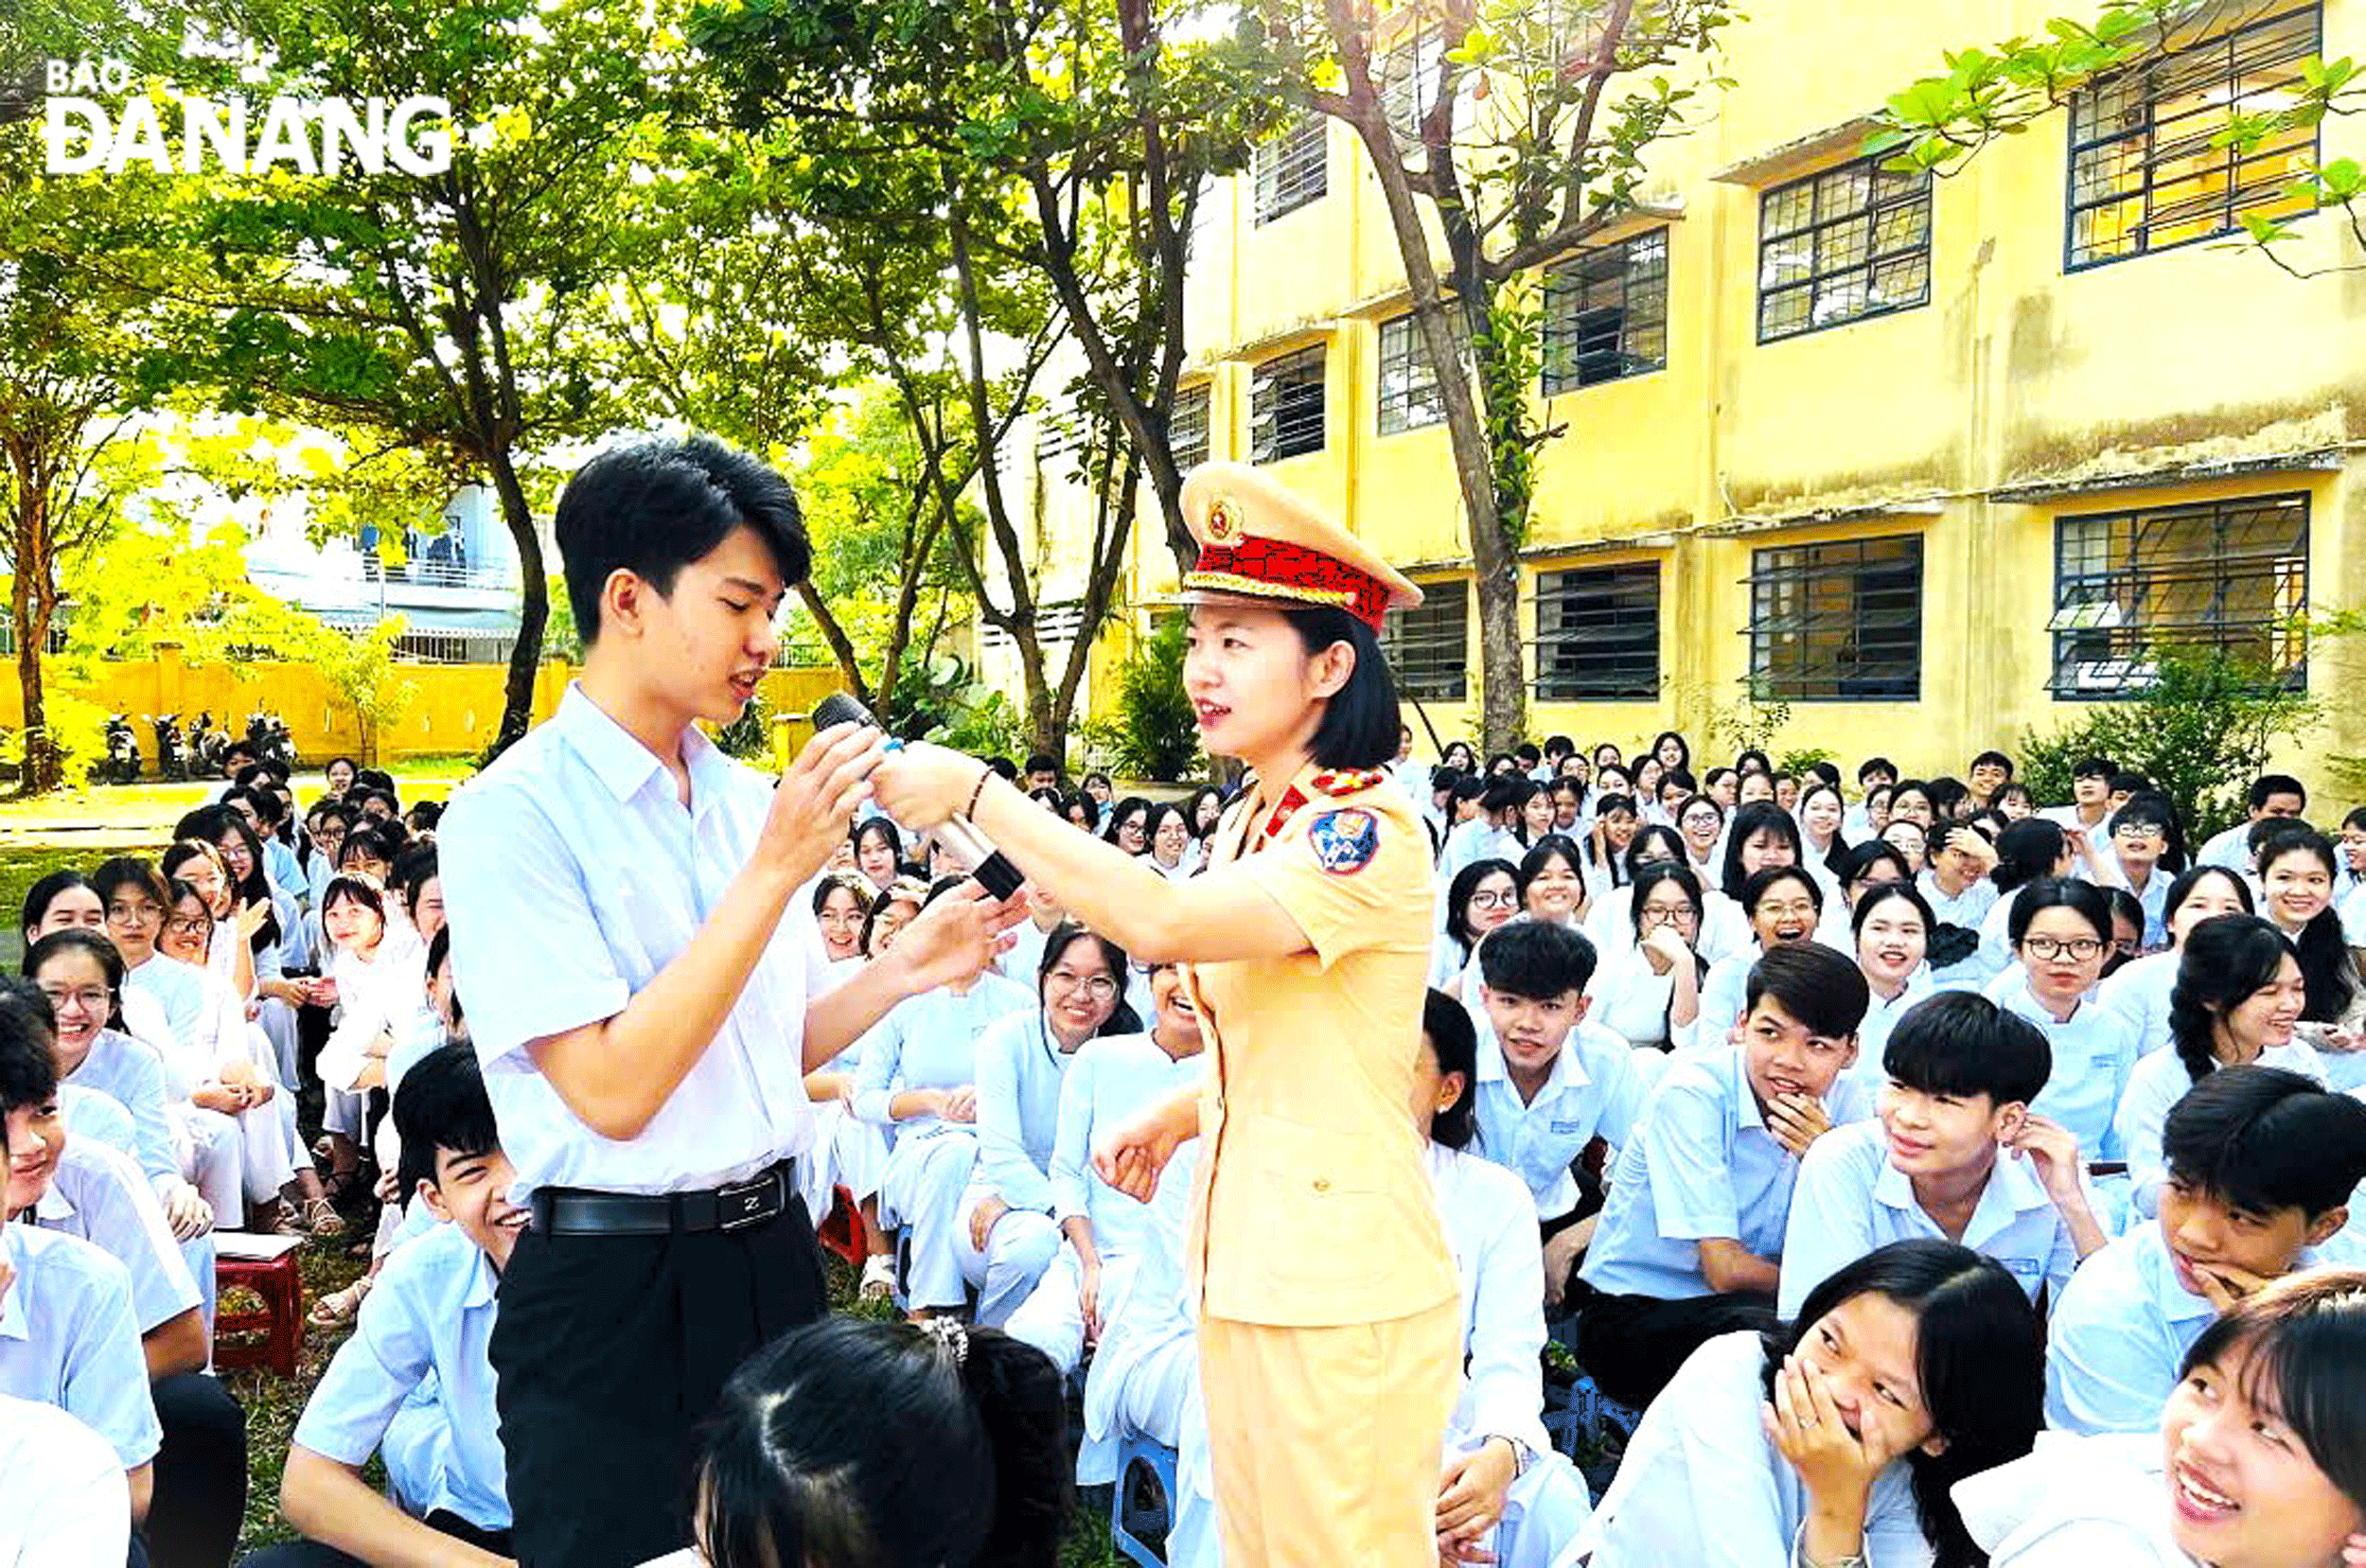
(878,1276)
(337,1310)
(322,1219)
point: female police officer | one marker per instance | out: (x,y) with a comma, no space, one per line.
(1326,1331)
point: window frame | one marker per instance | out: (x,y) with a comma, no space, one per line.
(2144,136)
(1632,682)
(1427,678)
(1410,361)
(1872,214)
(1816,568)
(1566,278)
(1197,401)
(1265,377)
(1299,174)
(2121,569)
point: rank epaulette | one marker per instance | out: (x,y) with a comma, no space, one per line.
(1339,783)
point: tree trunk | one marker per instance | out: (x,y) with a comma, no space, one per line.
(534,612)
(842,646)
(33,602)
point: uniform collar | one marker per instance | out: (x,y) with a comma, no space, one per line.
(14,1323)
(618,759)
(1733,1064)
(482,1281)
(2177,1303)
(2011,1189)
(55,1207)
(1567,1071)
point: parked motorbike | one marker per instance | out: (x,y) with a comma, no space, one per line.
(123,752)
(267,732)
(171,760)
(206,745)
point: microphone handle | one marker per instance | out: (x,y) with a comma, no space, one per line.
(991,868)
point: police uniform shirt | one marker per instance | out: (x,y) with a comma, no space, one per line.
(931,1042)
(1702,1486)
(130,1073)
(1112,1077)
(1850,1199)
(573,874)
(431,1315)
(68,1338)
(2094,1051)
(1591,1090)
(1021,1070)
(1703,1164)
(2154,1088)
(99,1196)
(63,1498)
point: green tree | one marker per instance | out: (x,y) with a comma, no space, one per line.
(1519,131)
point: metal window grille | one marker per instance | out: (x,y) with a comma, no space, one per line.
(2144,174)
(1597,634)
(1290,168)
(1187,429)
(1408,383)
(1286,407)
(1606,314)
(1429,648)
(1838,246)
(1837,622)
(2229,574)
(1410,75)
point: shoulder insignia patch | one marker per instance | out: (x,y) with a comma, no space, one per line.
(1344,841)
(1339,783)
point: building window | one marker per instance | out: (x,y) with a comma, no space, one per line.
(1837,622)
(1290,168)
(1187,428)
(1429,648)
(1408,383)
(1850,242)
(2229,574)
(1286,407)
(1606,314)
(1597,634)
(2146,173)
(1410,75)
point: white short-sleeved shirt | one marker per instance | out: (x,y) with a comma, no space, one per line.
(1630,1000)
(178,991)
(63,1497)
(99,1118)
(101,1196)
(68,1338)
(130,1072)
(1702,1487)
(2157,1083)
(2230,848)
(2094,1053)
(1702,1164)
(2139,991)
(930,1042)
(1880,1021)
(1967,909)
(430,1315)
(572,875)
(2353,912)
(1592,1091)
(1850,1199)
(1113,1076)
(2076,1501)
(1491,1226)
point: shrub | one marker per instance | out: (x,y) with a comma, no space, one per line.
(1154,734)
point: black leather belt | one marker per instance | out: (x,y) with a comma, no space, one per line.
(573,1211)
(2106,1168)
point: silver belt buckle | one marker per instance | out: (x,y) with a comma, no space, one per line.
(750,1204)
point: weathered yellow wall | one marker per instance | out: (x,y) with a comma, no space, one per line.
(2132,384)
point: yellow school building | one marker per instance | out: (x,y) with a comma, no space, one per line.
(1929,460)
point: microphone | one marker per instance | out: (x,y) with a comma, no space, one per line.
(991,866)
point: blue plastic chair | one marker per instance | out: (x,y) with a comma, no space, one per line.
(1136,1449)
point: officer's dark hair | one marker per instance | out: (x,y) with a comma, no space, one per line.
(1822,989)
(652,507)
(1535,959)
(849,1442)
(1454,1042)
(442,1104)
(1360,720)
(28,1043)
(2261,1140)
(1959,1042)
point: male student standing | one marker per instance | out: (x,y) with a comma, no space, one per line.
(642,970)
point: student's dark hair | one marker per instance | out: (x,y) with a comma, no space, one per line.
(2093,768)
(1004,767)
(1537,959)
(45,892)
(1959,1042)
(1560,745)
(1751,758)
(1913,787)
(2129,784)
(1652,876)
(2192,878)
(2325,955)
(1755,886)
(1683,746)
(2028,850)
(28,1043)
(268,807)
(1120,810)
(1947,798)
(1662,834)
(1748,820)
(2124,908)
(330,766)
(208,824)
(1469,786)
(1871,765)
(2154,810)
(1359,724)
(1999,758)
(93,945)
(1504,792)
(1122,1019)
(413,869)
(2083,899)
(881,829)
(895,892)
(1828,772)
(1159,812)
(1683,809)
(1547,849)
(1528,752)
(441,1103)
(373,843)
(1455,1041)
(2276,784)
(856,883)
(438,948)
(1082,799)
(2304,1343)
(652,507)
(1822,989)
(1191,810)
(129,871)
(2223,962)
(2263,1139)
(425,816)
(1681,778)
(1887,892)
(360,889)
(856,1444)
(1979,1359)
(1863,857)
(2356,820)
(1039,762)
(943,886)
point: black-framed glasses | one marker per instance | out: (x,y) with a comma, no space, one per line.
(2056,947)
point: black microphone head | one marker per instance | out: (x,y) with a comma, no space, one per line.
(840,708)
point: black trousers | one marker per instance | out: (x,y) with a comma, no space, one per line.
(200,1498)
(608,1352)
(1632,1345)
(311,1554)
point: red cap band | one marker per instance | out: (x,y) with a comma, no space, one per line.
(1275,568)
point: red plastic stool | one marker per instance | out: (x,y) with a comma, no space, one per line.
(279,1324)
(843,1232)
